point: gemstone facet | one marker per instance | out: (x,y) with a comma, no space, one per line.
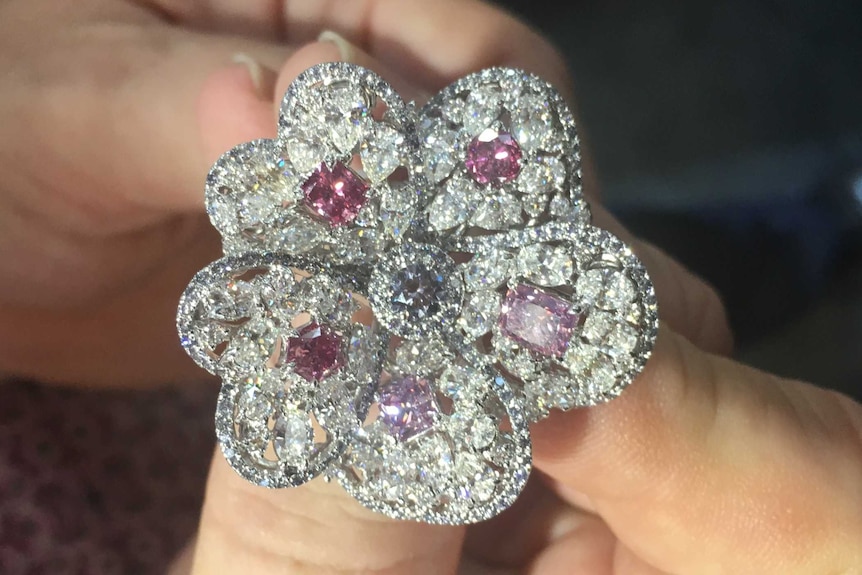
(416,290)
(493,157)
(316,353)
(539,321)
(335,194)
(407,406)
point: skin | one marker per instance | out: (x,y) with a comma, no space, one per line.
(703,466)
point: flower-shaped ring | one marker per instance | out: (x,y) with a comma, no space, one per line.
(463,229)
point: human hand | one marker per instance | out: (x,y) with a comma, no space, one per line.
(702,466)
(103,159)
(103,166)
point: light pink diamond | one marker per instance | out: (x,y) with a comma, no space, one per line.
(537,320)
(407,406)
(316,353)
(493,157)
(337,195)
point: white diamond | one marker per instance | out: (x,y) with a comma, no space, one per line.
(521,365)
(306,151)
(601,328)
(443,150)
(462,383)
(298,235)
(481,108)
(343,109)
(292,437)
(487,271)
(483,431)
(421,356)
(545,265)
(451,207)
(454,110)
(543,175)
(607,288)
(252,414)
(480,313)
(534,204)
(252,345)
(500,212)
(532,123)
(381,153)
(474,478)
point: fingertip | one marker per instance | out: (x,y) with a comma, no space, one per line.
(234,106)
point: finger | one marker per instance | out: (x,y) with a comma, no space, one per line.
(136,154)
(707,463)
(432,42)
(315,529)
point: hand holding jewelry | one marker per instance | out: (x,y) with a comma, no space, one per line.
(463,227)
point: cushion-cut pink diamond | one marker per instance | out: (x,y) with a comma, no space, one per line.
(337,195)
(407,406)
(316,353)
(537,320)
(493,157)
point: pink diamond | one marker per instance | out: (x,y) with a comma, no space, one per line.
(407,406)
(493,157)
(316,353)
(538,320)
(337,195)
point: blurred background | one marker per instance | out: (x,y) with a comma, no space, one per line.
(730,134)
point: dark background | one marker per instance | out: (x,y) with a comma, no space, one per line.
(730,134)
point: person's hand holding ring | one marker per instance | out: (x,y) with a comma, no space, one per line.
(703,466)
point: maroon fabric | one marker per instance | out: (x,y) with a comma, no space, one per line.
(100,483)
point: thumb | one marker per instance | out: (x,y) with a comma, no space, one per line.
(708,466)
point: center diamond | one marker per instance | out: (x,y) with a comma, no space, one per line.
(537,320)
(416,290)
(337,195)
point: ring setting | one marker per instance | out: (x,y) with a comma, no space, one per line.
(404,291)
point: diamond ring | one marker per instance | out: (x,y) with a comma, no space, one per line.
(404,291)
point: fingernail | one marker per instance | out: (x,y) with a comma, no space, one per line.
(346,50)
(255,71)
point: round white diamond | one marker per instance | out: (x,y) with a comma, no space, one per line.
(607,288)
(545,265)
(543,175)
(495,213)
(487,271)
(602,328)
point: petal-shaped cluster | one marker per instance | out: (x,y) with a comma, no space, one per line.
(463,228)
